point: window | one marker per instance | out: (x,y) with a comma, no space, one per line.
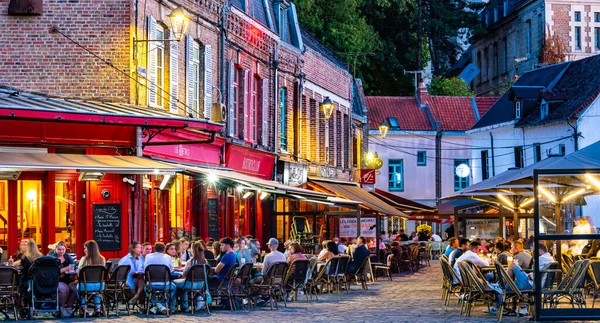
(561,149)
(421,158)
(393,123)
(495,53)
(495,14)
(537,152)
(282,22)
(461,179)
(544,109)
(518,110)
(577,16)
(486,61)
(479,66)
(505,47)
(235,97)
(283,117)
(597,38)
(160,65)
(252,109)
(485,165)
(505,8)
(396,175)
(577,40)
(518,157)
(487,18)
(528,36)
(596,16)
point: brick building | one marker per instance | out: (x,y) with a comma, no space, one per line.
(244,74)
(515,32)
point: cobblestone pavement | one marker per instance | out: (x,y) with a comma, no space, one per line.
(408,298)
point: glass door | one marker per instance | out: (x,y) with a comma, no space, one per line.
(29,212)
(65,213)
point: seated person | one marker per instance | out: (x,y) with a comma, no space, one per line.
(66,297)
(502,255)
(521,255)
(358,256)
(92,258)
(136,263)
(197,259)
(452,245)
(295,252)
(242,252)
(473,255)
(158,257)
(463,246)
(172,252)
(330,252)
(227,261)
(19,253)
(273,256)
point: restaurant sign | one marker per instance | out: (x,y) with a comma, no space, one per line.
(483,228)
(249,161)
(367,227)
(205,154)
(295,174)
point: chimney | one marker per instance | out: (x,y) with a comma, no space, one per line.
(422,93)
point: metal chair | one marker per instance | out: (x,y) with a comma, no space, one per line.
(9,290)
(512,294)
(273,283)
(92,275)
(241,284)
(158,285)
(360,275)
(341,272)
(296,277)
(224,289)
(194,285)
(117,289)
(385,268)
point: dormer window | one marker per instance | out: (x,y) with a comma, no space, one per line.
(393,122)
(282,21)
(544,109)
(518,110)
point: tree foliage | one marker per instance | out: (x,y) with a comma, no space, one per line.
(381,36)
(553,50)
(453,86)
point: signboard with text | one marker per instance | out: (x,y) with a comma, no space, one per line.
(367,176)
(348,227)
(249,161)
(294,174)
(483,228)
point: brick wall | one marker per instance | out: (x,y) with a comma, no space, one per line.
(34,59)
(321,71)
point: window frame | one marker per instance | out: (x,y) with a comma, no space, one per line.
(282,117)
(460,182)
(597,38)
(518,110)
(395,164)
(518,154)
(485,165)
(424,157)
(537,152)
(577,36)
(160,65)
(544,110)
(577,16)
(235,87)
(195,65)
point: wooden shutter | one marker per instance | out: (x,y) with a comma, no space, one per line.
(230,120)
(152,90)
(265,112)
(189,75)
(244,107)
(208,82)
(174,72)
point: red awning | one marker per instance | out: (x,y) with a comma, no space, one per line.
(25,106)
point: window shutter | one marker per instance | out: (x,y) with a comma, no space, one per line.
(265,112)
(189,75)
(174,72)
(152,96)
(208,82)
(245,102)
(230,119)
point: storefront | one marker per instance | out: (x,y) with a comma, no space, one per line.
(68,170)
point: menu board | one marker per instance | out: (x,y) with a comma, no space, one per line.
(213,218)
(107,226)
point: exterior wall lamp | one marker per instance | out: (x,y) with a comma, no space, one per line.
(327,107)
(180,22)
(383,129)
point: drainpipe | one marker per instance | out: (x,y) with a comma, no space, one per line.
(493,155)
(275,93)
(438,163)
(136,193)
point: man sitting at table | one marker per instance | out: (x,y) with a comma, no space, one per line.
(473,255)
(273,257)
(452,245)
(158,257)
(227,261)
(136,262)
(463,246)
(358,256)
(521,255)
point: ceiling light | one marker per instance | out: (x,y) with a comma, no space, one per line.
(247,195)
(212,177)
(547,194)
(263,195)
(91,177)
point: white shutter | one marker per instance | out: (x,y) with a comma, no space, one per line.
(174,72)
(189,75)
(152,96)
(230,119)
(265,113)
(208,82)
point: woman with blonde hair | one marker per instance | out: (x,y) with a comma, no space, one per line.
(31,254)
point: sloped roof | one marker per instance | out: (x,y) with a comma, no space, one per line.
(484,103)
(403,108)
(455,113)
(503,110)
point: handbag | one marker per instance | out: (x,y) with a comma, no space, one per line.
(208,297)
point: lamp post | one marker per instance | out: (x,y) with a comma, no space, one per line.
(180,22)
(383,129)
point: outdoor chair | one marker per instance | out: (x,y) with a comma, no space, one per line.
(341,272)
(404,263)
(158,286)
(360,275)
(194,285)
(594,276)
(111,264)
(240,287)
(476,290)
(225,289)
(312,277)
(572,290)
(296,277)
(512,294)
(212,262)
(331,276)
(414,258)
(450,287)
(92,276)
(385,268)
(117,289)
(9,290)
(272,283)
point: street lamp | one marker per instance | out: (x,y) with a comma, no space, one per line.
(383,129)
(179,22)
(327,107)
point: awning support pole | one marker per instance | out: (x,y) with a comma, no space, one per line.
(515,219)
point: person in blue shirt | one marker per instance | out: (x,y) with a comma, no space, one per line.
(242,252)
(452,245)
(358,256)
(136,262)
(227,261)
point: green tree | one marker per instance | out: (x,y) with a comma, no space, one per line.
(453,86)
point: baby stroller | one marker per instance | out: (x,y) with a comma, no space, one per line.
(43,286)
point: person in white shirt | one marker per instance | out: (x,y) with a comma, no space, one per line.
(273,256)
(473,255)
(435,237)
(158,257)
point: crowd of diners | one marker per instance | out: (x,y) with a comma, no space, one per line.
(179,256)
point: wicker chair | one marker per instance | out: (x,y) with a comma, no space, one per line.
(385,268)
(296,278)
(512,294)
(573,289)
(92,275)
(341,272)
(225,288)
(194,284)
(272,283)
(158,285)
(117,289)
(241,284)
(475,290)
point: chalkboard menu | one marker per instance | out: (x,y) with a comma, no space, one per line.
(213,219)
(107,226)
